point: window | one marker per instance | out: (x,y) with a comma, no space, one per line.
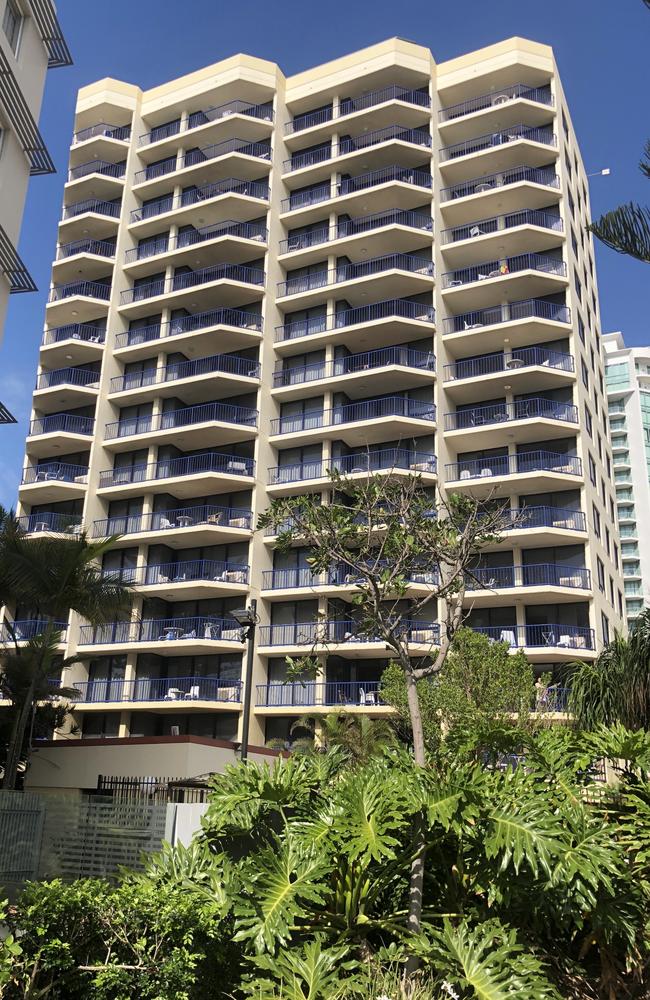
(585,373)
(565,123)
(578,287)
(612,514)
(581,329)
(572,205)
(596,517)
(604,625)
(600,447)
(592,471)
(589,424)
(616,555)
(12,23)
(611,591)
(608,462)
(567,162)
(620,604)
(602,488)
(574,242)
(601,574)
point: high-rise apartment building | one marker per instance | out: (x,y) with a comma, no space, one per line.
(30,42)
(377,264)
(627,374)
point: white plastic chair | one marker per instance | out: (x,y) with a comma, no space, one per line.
(193,693)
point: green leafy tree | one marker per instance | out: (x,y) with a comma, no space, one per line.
(359,737)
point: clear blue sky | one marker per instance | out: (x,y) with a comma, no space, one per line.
(601,47)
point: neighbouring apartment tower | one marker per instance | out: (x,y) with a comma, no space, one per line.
(30,42)
(627,374)
(377,264)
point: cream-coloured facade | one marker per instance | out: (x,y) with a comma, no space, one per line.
(30,42)
(379,263)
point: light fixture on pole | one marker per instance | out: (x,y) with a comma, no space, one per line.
(247,618)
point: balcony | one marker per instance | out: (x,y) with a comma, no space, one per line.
(314,474)
(498,108)
(230,231)
(194,475)
(191,691)
(506,234)
(543,641)
(402,273)
(528,274)
(181,527)
(63,425)
(243,196)
(167,636)
(528,320)
(540,576)
(227,329)
(235,285)
(53,482)
(77,298)
(503,150)
(395,416)
(82,377)
(95,168)
(354,105)
(102,130)
(66,387)
(96,248)
(516,189)
(251,158)
(28,628)
(82,260)
(388,320)
(320,694)
(74,343)
(529,368)
(361,233)
(191,378)
(317,163)
(389,369)
(546,522)
(192,578)
(409,187)
(347,633)
(52,522)
(546,414)
(208,423)
(92,215)
(544,470)
(341,577)
(233,111)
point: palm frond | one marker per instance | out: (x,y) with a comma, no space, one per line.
(625,229)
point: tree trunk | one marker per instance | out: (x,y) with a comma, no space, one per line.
(416,882)
(416,719)
(17,738)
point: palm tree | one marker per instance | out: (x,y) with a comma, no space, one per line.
(616,686)
(359,737)
(51,577)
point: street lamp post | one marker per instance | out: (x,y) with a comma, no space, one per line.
(247,618)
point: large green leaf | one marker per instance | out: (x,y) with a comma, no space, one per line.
(309,973)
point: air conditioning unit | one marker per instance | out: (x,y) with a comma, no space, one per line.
(175,730)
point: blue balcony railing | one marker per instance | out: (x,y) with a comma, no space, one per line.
(339,631)
(567,637)
(339,576)
(86,289)
(390,309)
(75,331)
(381,460)
(68,376)
(509,465)
(509,313)
(196,196)
(193,157)
(181,517)
(514,133)
(161,630)
(185,689)
(225,364)
(534,575)
(496,99)
(350,272)
(99,248)
(313,693)
(350,185)
(485,227)
(185,416)
(193,323)
(370,409)
(104,167)
(239,230)
(190,279)
(545,176)
(171,468)
(350,105)
(390,133)
(355,227)
(546,517)
(29,628)
(62,472)
(183,571)
(63,524)
(197,118)
(354,364)
(94,205)
(504,266)
(63,423)
(522,357)
(536,407)
(120,132)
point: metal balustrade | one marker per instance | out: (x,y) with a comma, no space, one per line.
(349,105)
(355,227)
(339,576)
(327,693)
(504,266)
(161,630)
(499,223)
(185,689)
(190,279)
(104,167)
(99,248)
(514,133)
(193,323)
(354,364)
(390,309)
(212,515)
(496,99)
(510,465)
(545,176)
(351,185)
(382,459)
(508,313)
(68,376)
(120,132)
(28,628)
(185,416)
(170,468)
(93,205)
(197,118)
(356,143)
(521,357)
(75,331)
(371,409)
(536,407)
(62,524)
(195,196)
(349,272)
(242,230)
(533,575)
(64,423)
(540,636)
(55,471)
(544,517)
(338,631)
(183,571)
(225,364)
(86,289)
(194,157)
